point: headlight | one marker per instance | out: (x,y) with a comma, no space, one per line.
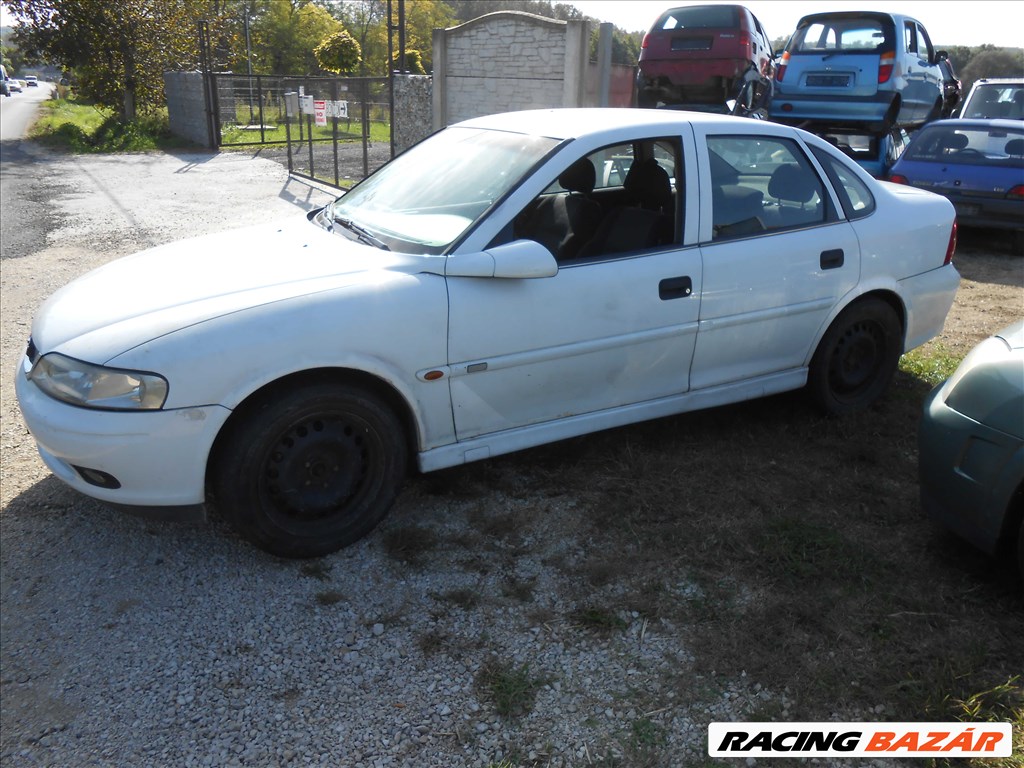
(93,386)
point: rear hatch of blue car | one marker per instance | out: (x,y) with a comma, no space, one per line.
(838,54)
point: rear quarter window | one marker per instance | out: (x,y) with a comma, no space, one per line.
(854,194)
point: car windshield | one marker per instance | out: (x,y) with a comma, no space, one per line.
(842,33)
(426,198)
(996,100)
(982,145)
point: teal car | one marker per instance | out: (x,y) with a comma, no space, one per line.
(971,447)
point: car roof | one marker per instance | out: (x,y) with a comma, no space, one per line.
(568,123)
(1000,80)
(964,123)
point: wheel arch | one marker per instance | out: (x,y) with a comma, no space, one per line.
(339,376)
(889,296)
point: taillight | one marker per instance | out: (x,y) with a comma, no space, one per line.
(885,66)
(898,178)
(1017,192)
(647,39)
(952,245)
(781,69)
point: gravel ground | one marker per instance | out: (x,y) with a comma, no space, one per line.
(127,642)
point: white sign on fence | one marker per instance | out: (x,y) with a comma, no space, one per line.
(320,112)
(337,109)
(306,104)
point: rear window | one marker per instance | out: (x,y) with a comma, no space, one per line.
(699,17)
(845,34)
(968,146)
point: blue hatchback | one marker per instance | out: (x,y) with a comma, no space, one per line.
(977,164)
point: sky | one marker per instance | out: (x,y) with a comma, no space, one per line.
(949,22)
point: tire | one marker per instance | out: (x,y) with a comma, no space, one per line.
(857,357)
(308,472)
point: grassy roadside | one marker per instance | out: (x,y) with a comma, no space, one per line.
(76,126)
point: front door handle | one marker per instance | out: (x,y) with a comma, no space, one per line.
(675,288)
(832,259)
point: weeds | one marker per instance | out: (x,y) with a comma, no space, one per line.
(512,690)
(80,127)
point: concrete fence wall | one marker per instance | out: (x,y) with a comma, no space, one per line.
(186,107)
(505,61)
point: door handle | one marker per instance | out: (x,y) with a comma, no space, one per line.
(832,259)
(675,288)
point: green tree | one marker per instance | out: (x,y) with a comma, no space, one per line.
(990,61)
(119,49)
(284,34)
(338,53)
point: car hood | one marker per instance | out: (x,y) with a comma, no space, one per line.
(1014,335)
(163,289)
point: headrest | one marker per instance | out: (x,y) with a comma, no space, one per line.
(579,177)
(649,183)
(1015,147)
(954,141)
(791,182)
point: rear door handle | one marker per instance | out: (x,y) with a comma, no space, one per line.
(675,288)
(832,259)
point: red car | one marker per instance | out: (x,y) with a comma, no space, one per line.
(699,56)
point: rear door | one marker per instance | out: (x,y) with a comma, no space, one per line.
(777,257)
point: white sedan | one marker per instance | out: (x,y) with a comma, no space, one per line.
(511,281)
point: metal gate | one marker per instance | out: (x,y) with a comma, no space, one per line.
(350,138)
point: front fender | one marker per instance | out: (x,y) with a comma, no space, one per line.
(390,330)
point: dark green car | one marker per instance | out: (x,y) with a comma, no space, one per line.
(971,446)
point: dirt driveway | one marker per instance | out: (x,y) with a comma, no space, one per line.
(596,602)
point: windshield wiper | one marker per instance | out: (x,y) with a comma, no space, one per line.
(363,235)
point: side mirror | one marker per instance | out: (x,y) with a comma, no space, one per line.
(521,259)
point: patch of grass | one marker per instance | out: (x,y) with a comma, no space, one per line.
(597,619)
(409,544)
(512,690)
(463,597)
(329,597)
(316,569)
(933,363)
(77,126)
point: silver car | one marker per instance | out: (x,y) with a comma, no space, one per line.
(971,446)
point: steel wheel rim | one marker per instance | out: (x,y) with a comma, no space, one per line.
(317,468)
(857,359)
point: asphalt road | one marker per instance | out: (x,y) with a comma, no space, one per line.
(18,109)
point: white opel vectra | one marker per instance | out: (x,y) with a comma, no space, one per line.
(511,281)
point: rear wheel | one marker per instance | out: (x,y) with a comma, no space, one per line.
(857,357)
(312,470)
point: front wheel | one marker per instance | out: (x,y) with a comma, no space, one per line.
(857,358)
(309,471)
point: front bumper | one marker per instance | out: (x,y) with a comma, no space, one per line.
(149,459)
(968,472)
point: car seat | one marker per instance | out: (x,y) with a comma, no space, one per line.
(646,222)
(564,222)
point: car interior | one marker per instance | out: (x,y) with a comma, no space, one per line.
(617,200)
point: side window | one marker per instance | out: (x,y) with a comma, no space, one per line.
(622,198)
(761,185)
(924,44)
(854,195)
